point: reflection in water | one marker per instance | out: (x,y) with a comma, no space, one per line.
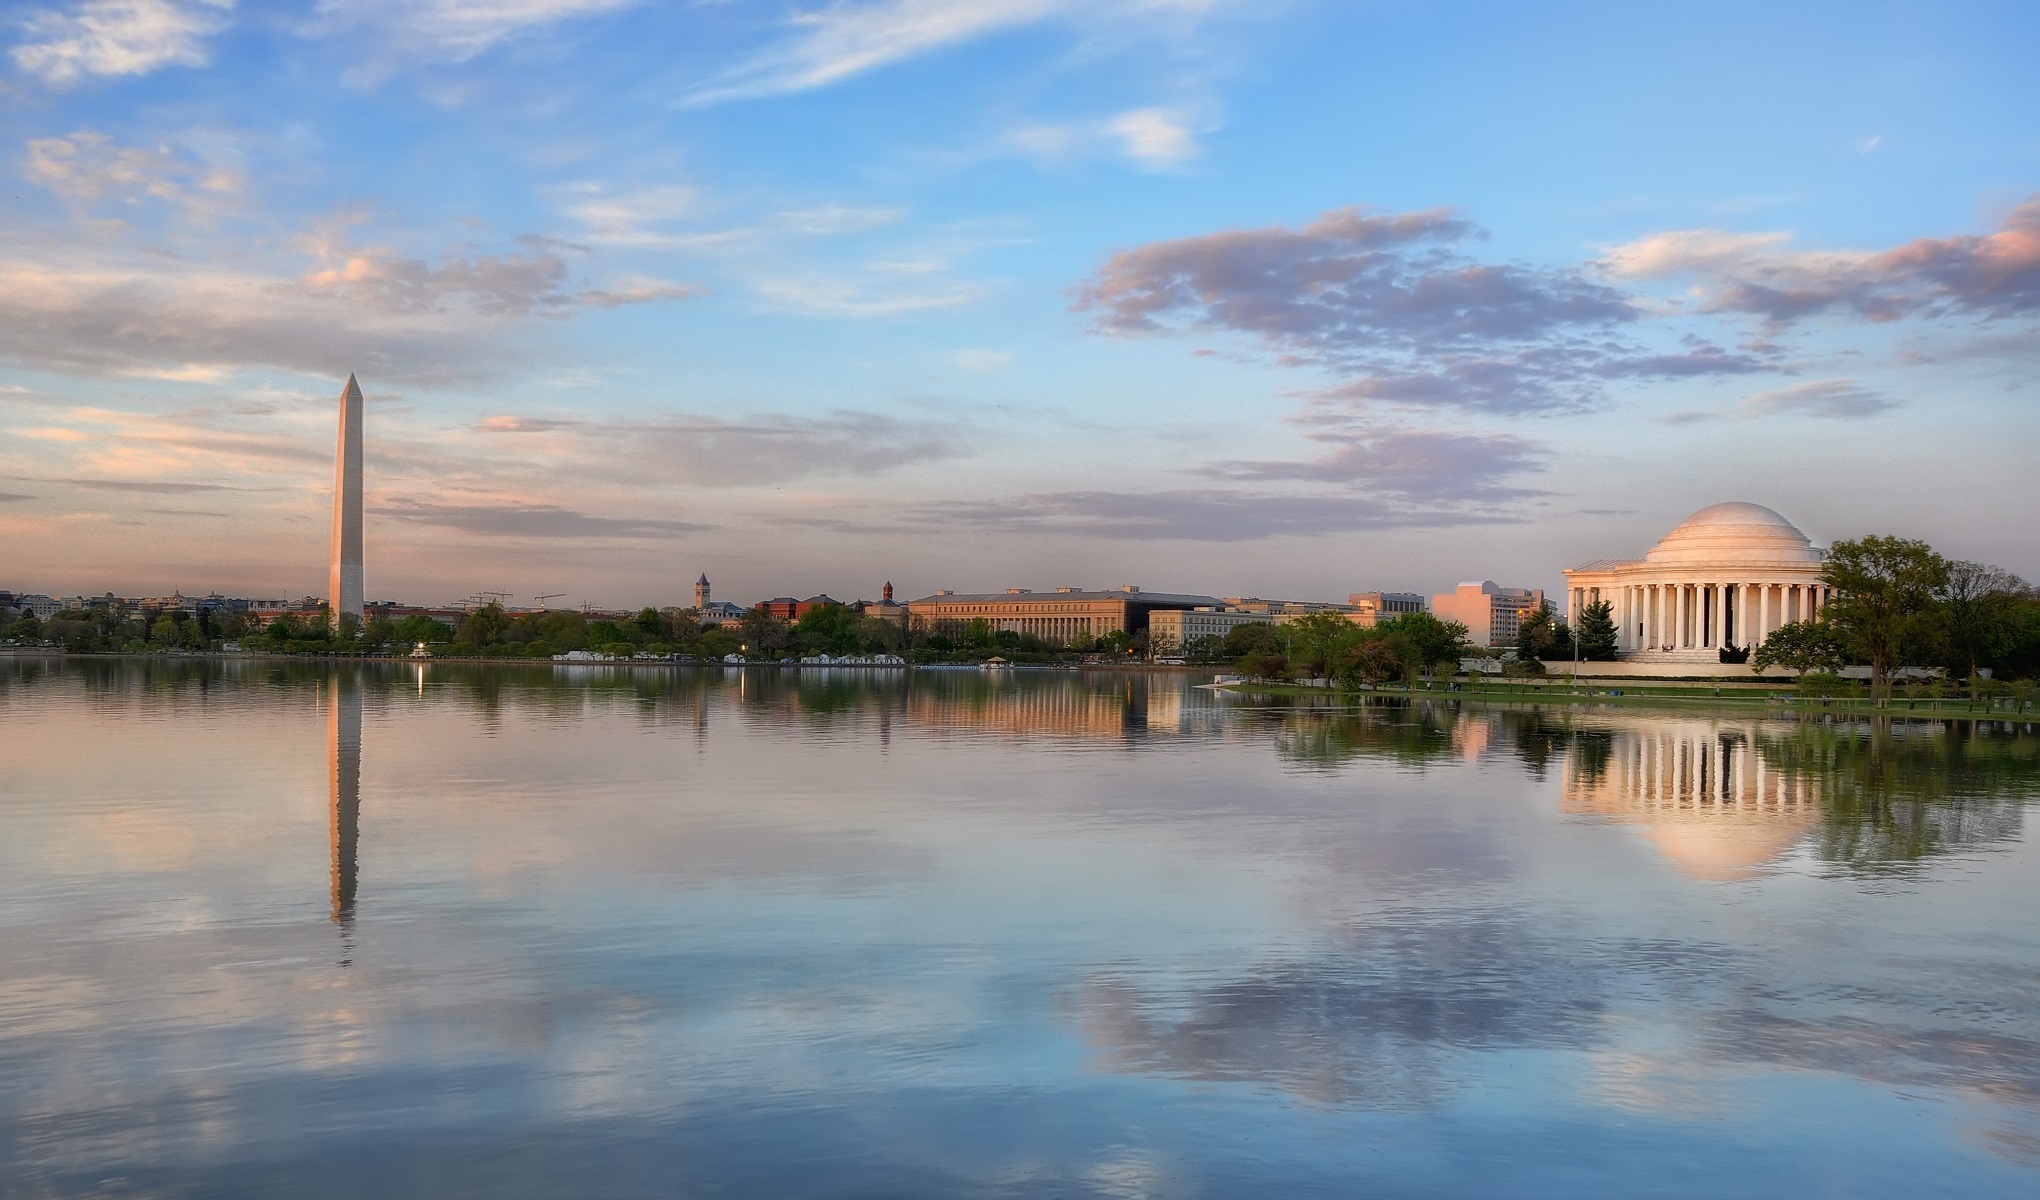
(1697,788)
(1089,934)
(343,772)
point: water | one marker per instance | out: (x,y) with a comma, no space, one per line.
(453,931)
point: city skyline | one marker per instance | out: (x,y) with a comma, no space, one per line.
(1291,299)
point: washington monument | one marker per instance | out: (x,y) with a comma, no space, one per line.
(345,595)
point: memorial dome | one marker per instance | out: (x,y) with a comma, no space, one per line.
(1735,534)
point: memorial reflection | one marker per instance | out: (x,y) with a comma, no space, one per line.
(1700,790)
(1727,798)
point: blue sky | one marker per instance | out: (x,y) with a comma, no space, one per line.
(1286,298)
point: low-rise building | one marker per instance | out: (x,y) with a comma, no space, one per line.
(1492,614)
(1371,608)
(1063,616)
(1175,629)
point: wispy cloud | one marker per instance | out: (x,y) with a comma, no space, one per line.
(455,30)
(1833,399)
(367,308)
(704,451)
(1411,466)
(1995,276)
(1192,515)
(517,520)
(88,167)
(1828,399)
(117,37)
(845,40)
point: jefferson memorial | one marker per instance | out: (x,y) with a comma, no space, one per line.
(1725,578)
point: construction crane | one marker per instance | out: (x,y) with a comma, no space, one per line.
(548,596)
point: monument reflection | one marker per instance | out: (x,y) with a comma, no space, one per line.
(343,773)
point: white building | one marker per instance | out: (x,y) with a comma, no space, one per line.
(1176,628)
(1726,577)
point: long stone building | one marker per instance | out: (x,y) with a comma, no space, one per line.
(1725,577)
(1064,615)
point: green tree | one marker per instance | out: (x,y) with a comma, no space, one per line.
(828,629)
(1373,661)
(484,627)
(1249,638)
(1544,637)
(1317,641)
(1428,641)
(1885,603)
(1597,632)
(1981,606)
(764,636)
(1264,664)
(420,628)
(1803,646)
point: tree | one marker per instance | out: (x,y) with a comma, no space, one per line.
(1264,664)
(1316,640)
(828,629)
(483,627)
(1981,604)
(1802,646)
(763,635)
(1428,641)
(1251,637)
(1886,590)
(1597,632)
(420,628)
(1375,660)
(1544,636)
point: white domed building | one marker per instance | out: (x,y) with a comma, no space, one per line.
(1726,577)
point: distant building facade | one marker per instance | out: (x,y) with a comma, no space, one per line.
(1492,614)
(885,608)
(1065,615)
(1371,608)
(1177,628)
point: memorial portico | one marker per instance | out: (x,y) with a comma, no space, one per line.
(1726,577)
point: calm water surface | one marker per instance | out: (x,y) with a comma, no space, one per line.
(455,931)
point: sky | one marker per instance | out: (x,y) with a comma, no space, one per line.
(1240,297)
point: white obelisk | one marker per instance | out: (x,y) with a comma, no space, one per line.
(345,596)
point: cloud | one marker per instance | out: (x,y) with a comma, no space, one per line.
(14,497)
(1394,298)
(1834,399)
(153,486)
(1155,137)
(456,30)
(1191,514)
(370,309)
(983,361)
(700,450)
(844,40)
(1995,276)
(515,520)
(87,167)
(117,37)
(1414,466)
